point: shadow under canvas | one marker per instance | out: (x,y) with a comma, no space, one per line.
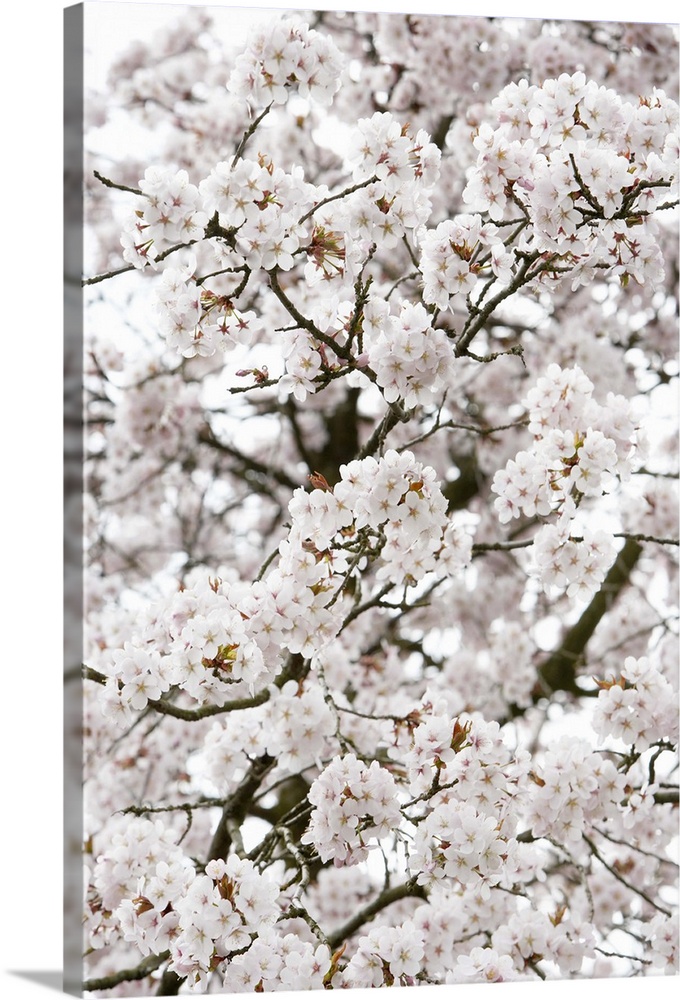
(51,979)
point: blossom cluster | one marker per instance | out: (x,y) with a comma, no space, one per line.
(354,803)
(138,676)
(663,934)
(586,167)
(263,204)
(382,148)
(262,216)
(456,841)
(575,788)
(207,649)
(221,639)
(304,361)
(293,727)
(258,208)
(171,213)
(580,449)
(194,320)
(411,360)
(200,918)
(396,173)
(353,732)
(229,747)
(580,446)
(484,965)
(532,935)
(303,598)
(298,722)
(133,848)
(639,707)
(285,54)
(396,503)
(576,566)
(468,787)
(278,961)
(386,956)
(456,254)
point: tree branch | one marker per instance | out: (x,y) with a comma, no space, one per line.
(558,672)
(111,184)
(141,971)
(247,134)
(619,877)
(196,714)
(406,889)
(336,197)
(131,267)
(237,805)
(304,323)
(207,436)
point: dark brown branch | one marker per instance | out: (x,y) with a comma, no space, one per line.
(93,675)
(169,984)
(440,133)
(304,323)
(206,436)
(131,267)
(247,134)
(406,889)
(205,803)
(647,538)
(111,184)
(480,547)
(189,714)
(669,796)
(108,274)
(517,351)
(336,197)
(195,714)
(141,971)
(478,319)
(291,671)
(236,808)
(585,191)
(558,672)
(261,383)
(290,410)
(395,414)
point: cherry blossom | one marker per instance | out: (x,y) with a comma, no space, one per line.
(380,650)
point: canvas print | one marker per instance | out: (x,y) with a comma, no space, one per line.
(380,354)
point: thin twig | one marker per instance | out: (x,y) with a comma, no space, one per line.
(131,267)
(619,877)
(112,184)
(247,134)
(336,197)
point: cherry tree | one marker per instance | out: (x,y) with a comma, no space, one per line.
(380,673)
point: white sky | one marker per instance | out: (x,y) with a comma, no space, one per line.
(107,32)
(110,29)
